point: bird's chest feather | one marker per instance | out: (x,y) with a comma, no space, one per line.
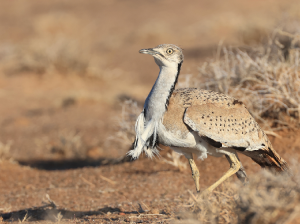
(173,121)
(172,130)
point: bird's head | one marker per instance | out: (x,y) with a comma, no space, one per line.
(165,54)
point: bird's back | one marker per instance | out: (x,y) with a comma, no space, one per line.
(208,109)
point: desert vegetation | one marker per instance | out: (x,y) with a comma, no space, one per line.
(264,77)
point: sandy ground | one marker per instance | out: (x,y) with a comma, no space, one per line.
(65,67)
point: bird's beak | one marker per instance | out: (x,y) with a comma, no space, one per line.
(148,51)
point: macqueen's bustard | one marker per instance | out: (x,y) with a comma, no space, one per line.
(200,122)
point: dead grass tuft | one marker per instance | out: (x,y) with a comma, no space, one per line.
(175,161)
(266,78)
(265,199)
(67,145)
(218,207)
(269,199)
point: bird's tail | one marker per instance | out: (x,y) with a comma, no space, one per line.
(267,157)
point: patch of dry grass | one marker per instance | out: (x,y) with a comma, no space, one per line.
(265,199)
(5,151)
(269,199)
(174,160)
(266,78)
(67,145)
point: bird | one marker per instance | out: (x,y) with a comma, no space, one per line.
(197,122)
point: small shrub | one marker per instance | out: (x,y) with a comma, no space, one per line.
(265,199)
(266,79)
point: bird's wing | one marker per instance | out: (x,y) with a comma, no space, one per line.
(220,119)
(225,126)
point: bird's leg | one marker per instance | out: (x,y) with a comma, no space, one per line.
(235,165)
(195,173)
(241,173)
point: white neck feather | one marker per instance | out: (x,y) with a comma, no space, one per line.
(155,104)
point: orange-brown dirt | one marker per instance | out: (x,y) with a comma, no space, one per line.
(47,113)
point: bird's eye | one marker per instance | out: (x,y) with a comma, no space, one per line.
(169,51)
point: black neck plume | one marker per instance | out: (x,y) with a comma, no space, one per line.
(173,86)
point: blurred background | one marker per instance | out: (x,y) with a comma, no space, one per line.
(72,81)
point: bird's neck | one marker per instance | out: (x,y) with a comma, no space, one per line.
(158,99)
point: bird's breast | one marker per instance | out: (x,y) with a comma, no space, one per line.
(175,137)
(172,131)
